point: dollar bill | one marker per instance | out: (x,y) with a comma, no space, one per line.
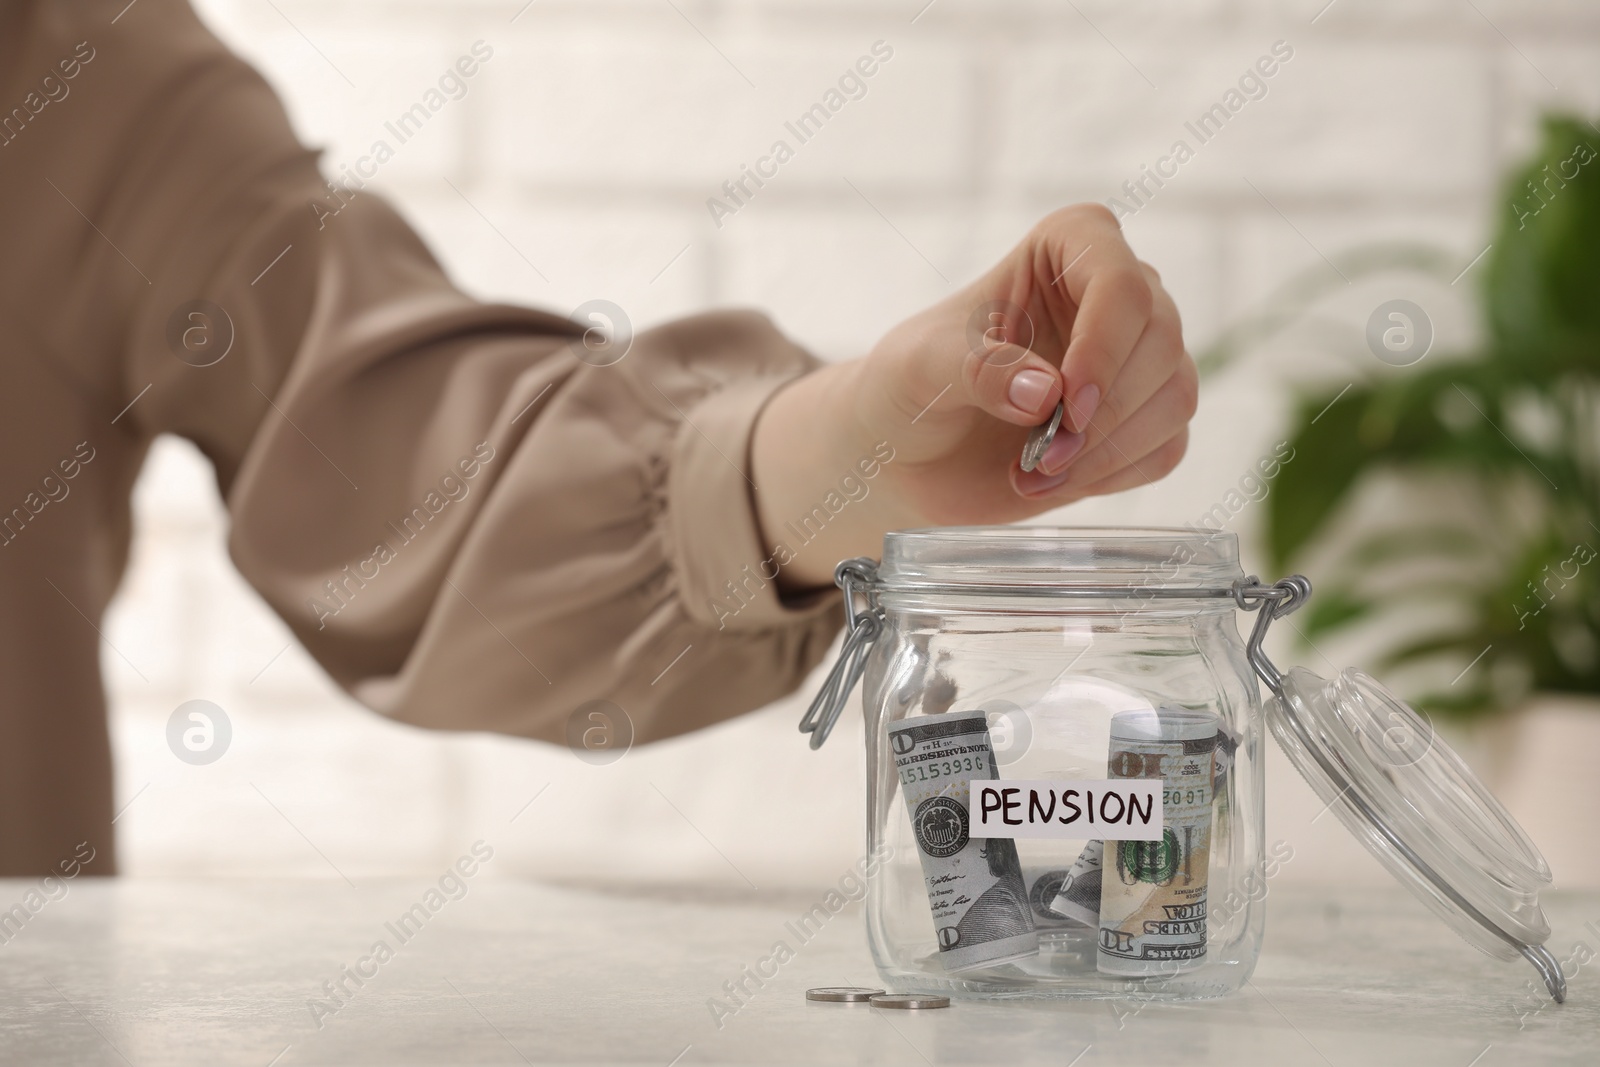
(1153,893)
(975,887)
(1043,885)
(1078,896)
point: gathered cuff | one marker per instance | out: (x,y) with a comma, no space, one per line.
(727,572)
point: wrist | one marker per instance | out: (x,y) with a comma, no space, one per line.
(816,468)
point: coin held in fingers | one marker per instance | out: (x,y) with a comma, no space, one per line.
(842,994)
(1040,436)
(910,1001)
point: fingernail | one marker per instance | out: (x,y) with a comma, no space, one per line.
(1036,482)
(1062,449)
(1029,389)
(1083,406)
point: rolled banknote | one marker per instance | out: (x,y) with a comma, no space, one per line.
(1078,896)
(1153,893)
(1227,745)
(1043,885)
(975,888)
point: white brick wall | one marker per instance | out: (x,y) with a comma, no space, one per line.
(591,141)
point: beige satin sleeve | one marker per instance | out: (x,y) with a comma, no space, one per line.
(466,524)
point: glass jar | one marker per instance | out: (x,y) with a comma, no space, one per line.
(1064,751)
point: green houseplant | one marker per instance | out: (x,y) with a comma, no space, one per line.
(1491,552)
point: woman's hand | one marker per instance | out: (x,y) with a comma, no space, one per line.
(954,390)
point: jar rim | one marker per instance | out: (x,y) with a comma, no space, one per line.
(1041,555)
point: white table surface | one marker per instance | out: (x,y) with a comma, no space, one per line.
(155,972)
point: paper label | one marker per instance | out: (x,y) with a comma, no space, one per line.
(1118,809)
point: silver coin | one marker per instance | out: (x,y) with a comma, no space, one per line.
(1040,436)
(842,994)
(909,1001)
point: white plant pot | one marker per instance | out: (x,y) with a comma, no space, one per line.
(1540,761)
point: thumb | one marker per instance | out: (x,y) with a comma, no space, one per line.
(1010,382)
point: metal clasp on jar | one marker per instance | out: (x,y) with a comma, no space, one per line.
(858,578)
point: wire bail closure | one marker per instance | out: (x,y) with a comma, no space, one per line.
(858,578)
(1274,602)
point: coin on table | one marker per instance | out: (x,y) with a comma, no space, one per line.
(909,1001)
(1039,438)
(842,994)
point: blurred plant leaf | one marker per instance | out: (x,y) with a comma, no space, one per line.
(1332,608)
(1290,303)
(1515,420)
(1393,546)
(1423,648)
(1540,287)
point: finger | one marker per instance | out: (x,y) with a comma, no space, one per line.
(1056,490)
(1152,467)
(1113,300)
(1171,408)
(1158,356)
(1010,383)
(1162,416)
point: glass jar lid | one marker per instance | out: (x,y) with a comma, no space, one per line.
(1419,809)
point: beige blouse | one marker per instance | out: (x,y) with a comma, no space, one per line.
(468,526)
